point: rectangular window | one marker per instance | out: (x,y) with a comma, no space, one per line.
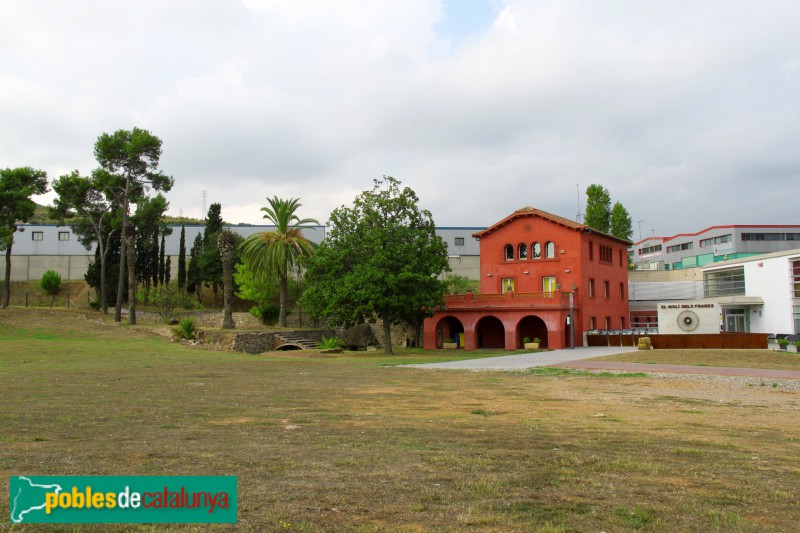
(592,322)
(650,249)
(622,322)
(724,283)
(621,291)
(591,251)
(591,288)
(608,322)
(548,284)
(508,285)
(63,235)
(771,236)
(796,278)
(606,289)
(679,247)
(37,235)
(797,319)
(606,254)
(459,241)
(715,240)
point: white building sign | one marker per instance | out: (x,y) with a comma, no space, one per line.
(688,318)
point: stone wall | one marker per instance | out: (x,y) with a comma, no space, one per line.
(202,319)
(256,342)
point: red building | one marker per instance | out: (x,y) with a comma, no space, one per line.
(536,269)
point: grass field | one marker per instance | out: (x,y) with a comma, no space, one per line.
(351,444)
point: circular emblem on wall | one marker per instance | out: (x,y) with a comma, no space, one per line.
(527,228)
(688,320)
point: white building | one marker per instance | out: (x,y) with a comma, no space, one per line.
(759,294)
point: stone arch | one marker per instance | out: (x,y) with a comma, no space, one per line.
(532,326)
(289,346)
(490,333)
(448,329)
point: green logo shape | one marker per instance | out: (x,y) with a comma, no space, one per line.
(123,499)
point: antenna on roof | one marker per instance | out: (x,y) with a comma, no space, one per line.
(579,215)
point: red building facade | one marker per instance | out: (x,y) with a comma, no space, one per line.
(537,270)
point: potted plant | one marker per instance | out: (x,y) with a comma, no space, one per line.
(795,346)
(783,343)
(531,345)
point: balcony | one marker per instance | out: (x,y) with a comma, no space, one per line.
(520,300)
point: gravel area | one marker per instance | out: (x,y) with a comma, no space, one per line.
(723,381)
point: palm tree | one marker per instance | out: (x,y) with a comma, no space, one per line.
(275,253)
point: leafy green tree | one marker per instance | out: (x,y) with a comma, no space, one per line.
(262,291)
(381,260)
(598,208)
(621,223)
(182,261)
(84,202)
(275,253)
(16,207)
(133,156)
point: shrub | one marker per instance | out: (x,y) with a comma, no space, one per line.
(331,343)
(526,340)
(783,342)
(166,298)
(358,337)
(268,313)
(50,282)
(185,329)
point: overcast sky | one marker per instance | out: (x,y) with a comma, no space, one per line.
(687,111)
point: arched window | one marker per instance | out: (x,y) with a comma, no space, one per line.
(509,252)
(523,251)
(536,251)
(550,250)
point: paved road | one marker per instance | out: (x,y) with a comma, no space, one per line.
(529,360)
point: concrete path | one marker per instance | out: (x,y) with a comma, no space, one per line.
(682,369)
(529,360)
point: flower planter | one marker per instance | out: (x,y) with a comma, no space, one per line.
(449,345)
(531,345)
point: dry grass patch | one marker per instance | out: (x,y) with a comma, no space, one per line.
(344,444)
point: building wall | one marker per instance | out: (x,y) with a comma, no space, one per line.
(60,250)
(771,280)
(698,256)
(576,262)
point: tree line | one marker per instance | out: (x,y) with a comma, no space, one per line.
(381,260)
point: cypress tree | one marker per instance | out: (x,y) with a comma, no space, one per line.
(182,261)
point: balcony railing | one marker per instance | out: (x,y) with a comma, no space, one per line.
(514,299)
